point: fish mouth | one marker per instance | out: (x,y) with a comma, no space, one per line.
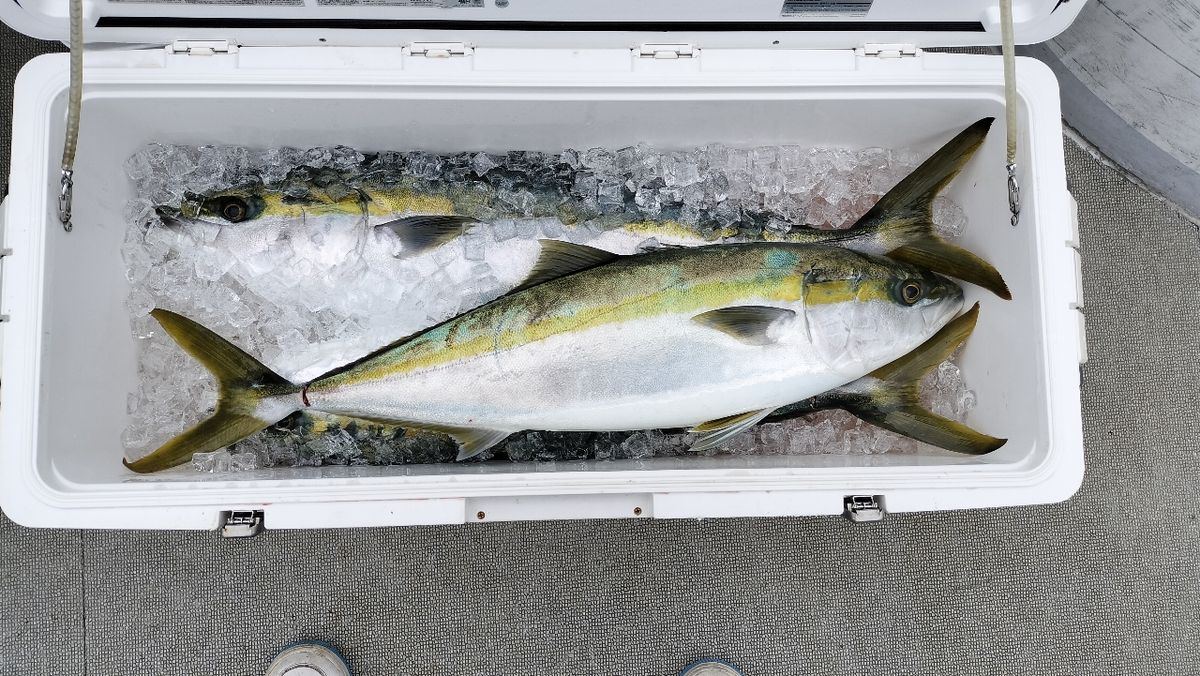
(168,215)
(937,315)
(172,217)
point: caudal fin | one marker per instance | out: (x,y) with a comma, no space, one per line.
(895,402)
(243,384)
(889,397)
(903,218)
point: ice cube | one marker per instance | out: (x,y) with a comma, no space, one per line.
(474,246)
(243,461)
(599,160)
(727,213)
(948,217)
(649,201)
(610,194)
(503,229)
(637,445)
(214,463)
(482,163)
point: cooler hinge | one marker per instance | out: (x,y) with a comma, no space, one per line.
(437,50)
(863,507)
(666,51)
(888,50)
(241,523)
(201,47)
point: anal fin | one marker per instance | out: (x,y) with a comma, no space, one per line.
(471,440)
(716,432)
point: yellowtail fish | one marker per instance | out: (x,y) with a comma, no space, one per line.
(888,397)
(714,338)
(426,213)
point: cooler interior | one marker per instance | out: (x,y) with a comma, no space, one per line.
(88,364)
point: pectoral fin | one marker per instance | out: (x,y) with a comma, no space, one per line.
(716,432)
(559,259)
(421,233)
(747,323)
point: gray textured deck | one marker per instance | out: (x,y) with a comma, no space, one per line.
(1106,583)
(1130,77)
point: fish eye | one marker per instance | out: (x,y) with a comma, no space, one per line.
(233,209)
(911,291)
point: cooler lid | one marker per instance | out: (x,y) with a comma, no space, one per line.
(828,24)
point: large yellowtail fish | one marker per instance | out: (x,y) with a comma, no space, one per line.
(427,213)
(714,338)
(888,397)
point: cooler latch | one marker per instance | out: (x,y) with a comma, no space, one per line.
(241,524)
(202,47)
(863,507)
(888,50)
(665,51)
(437,50)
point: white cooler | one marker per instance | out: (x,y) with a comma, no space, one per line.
(454,75)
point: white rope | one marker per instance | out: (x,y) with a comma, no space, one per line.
(74,99)
(1010,107)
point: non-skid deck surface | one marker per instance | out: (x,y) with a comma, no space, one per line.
(1106,583)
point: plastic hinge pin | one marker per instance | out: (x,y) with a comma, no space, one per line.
(890,50)
(202,47)
(666,52)
(438,50)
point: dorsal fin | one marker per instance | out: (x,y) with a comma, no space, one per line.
(559,259)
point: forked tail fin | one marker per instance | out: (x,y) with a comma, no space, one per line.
(889,397)
(245,391)
(903,218)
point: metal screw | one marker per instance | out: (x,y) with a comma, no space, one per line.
(637,511)
(480,515)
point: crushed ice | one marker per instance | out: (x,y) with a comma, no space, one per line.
(317,293)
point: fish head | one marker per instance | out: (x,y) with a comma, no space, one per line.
(862,316)
(226,207)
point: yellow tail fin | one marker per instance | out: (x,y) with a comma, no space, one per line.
(903,218)
(889,396)
(244,384)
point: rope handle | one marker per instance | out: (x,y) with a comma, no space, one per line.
(1010,108)
(74,99)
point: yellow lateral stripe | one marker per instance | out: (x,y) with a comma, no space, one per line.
(454,341)
(384,204)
